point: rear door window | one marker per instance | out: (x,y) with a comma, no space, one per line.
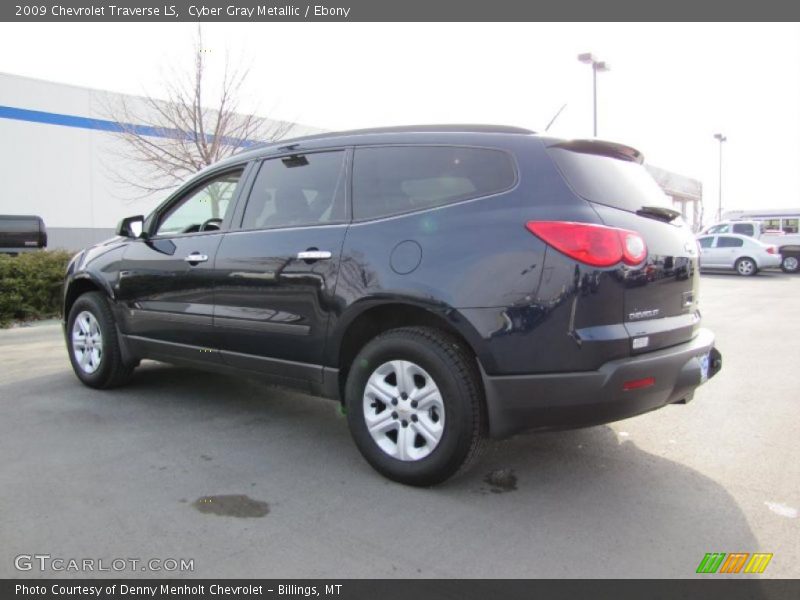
(298,190)
(744,229)
(400,179)
(729,242)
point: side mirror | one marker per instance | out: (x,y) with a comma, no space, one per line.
(131,226)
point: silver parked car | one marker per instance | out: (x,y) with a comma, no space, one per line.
(741,253)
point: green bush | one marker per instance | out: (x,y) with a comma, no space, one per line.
(30,285)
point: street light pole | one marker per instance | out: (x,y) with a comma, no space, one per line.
(597,65)
(721,138)
(594,99)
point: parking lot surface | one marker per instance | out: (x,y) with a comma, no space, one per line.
(251,481)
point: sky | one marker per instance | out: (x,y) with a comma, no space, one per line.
(671,87)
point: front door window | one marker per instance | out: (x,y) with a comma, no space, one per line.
(203,209)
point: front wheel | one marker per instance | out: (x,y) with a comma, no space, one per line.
(415,405)
(790,264)
(92,343)
(746,267)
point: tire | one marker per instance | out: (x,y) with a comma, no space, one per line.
(450,413)
(97,361)
(746,267)
(790,264)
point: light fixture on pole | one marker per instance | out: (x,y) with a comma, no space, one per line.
(597,66)
(721,138)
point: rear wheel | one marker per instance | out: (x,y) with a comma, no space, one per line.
(414,405)
(93,345)
(746,267)
(790,264)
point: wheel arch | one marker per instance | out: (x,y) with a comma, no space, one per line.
(79,285)
(368,319)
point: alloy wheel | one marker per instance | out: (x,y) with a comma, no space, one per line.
(745,267)
(87,342)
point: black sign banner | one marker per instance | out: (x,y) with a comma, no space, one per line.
(395,10)
(406,589)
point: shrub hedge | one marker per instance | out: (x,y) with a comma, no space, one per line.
(30,285)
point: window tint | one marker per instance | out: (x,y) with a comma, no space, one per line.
(19,225)
(611,181)
(706,242)
(729,242)
(744,229)
(305,189)
(206,207)
(394,180)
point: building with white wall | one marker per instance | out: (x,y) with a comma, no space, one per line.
(60,157)
(686,194)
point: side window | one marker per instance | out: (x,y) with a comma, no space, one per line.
(718,229)
(304,189)
(705,242)
(729,242)
(744,229)
(203,209)
(394,180)
(790,225)
(771,225)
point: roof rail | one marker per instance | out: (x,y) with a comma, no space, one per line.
(445,128)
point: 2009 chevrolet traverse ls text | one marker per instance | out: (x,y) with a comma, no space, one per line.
(446,283)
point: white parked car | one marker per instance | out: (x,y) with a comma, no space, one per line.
(741,253)
(781,232)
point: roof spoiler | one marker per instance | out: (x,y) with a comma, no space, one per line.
(602,148)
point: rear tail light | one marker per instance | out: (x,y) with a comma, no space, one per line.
(772,250)
(595,245)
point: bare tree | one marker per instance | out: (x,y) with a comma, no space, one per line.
(183,133)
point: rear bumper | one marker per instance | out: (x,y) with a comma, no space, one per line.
(518,403)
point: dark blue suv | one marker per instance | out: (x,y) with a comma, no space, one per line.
(445,283)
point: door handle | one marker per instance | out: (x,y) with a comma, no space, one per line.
(196,257)
(314,255)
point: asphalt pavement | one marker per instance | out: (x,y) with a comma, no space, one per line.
(246,480)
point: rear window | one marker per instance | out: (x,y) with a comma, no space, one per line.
(611,181)
(400,179)
(729,242)
(19,225)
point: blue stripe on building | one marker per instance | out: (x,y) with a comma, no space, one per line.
(48,118)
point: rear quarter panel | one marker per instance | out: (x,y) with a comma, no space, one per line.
(477,263)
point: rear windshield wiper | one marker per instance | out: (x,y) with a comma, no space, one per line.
(659,212)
